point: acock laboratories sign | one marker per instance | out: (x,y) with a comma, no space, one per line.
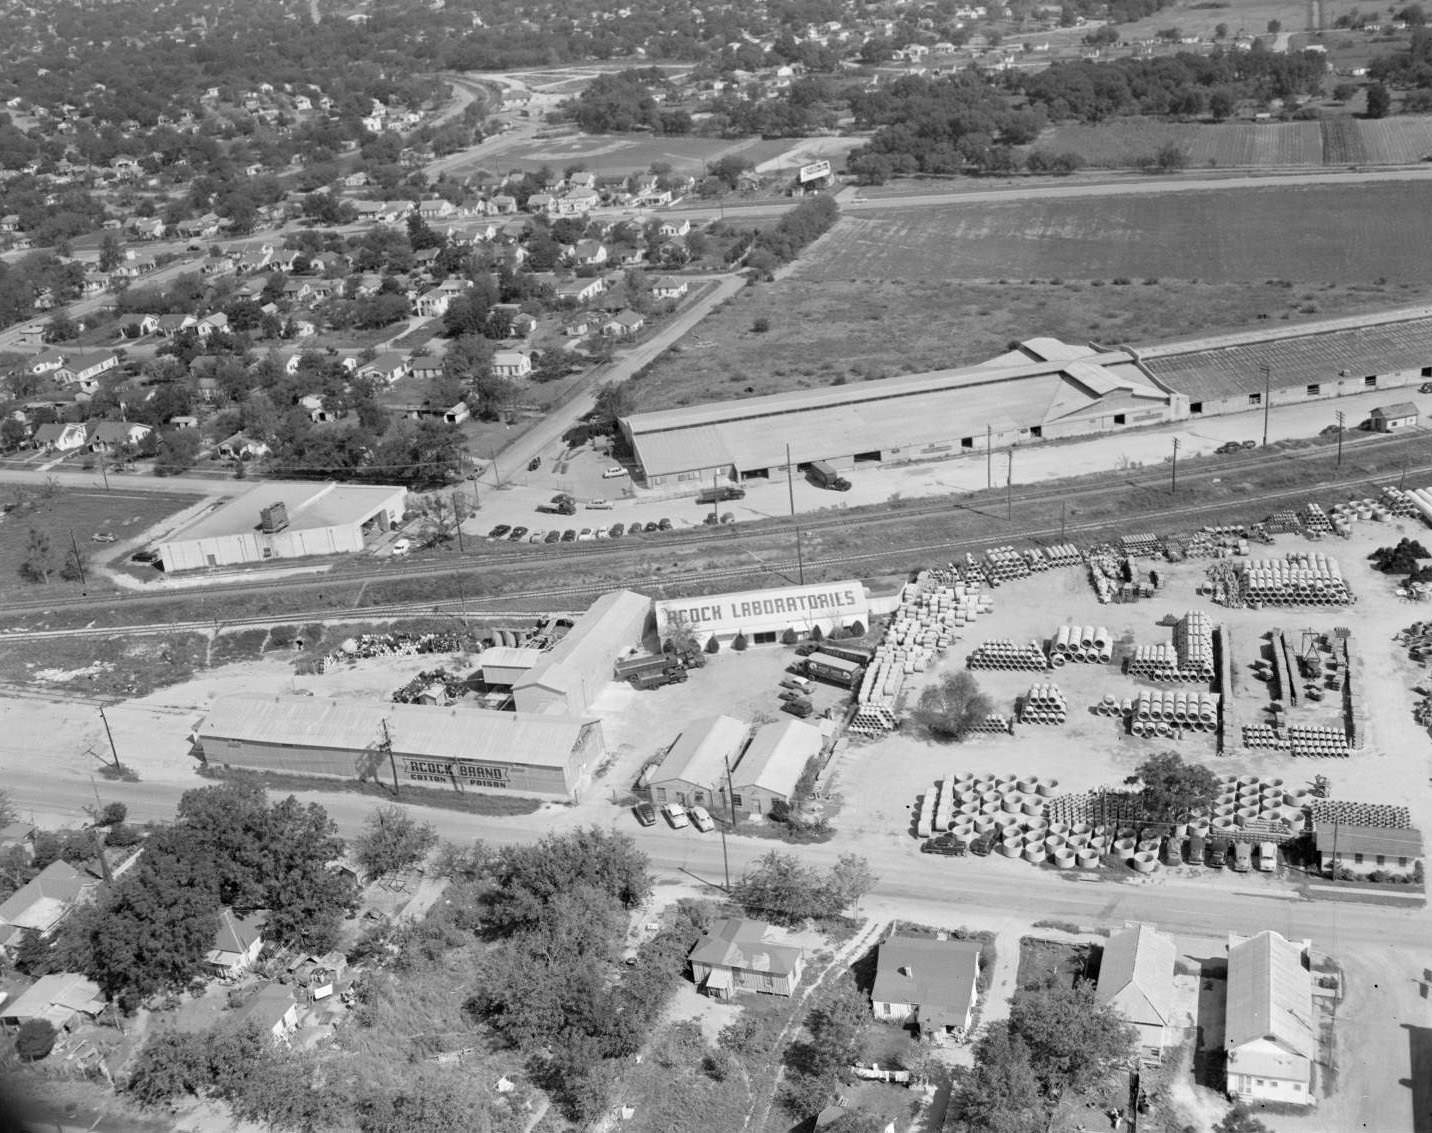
(761,611)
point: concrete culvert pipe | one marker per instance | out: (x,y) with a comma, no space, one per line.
(1124,847)
(1034,855)
(1012,847)
(1064,858)
(1012,802)
(1029,784)
(1145,861)
(1087,859)
(1058,827)
(1247,780)
(1053,841)
(1047,787)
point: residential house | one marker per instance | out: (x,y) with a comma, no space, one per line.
(237,943)
(579,326)
(671,229)
(62,999)
(312,404)
(387,367)
(1270,1032)
(81,368)
(669,287)
(147,227)
(32,334)
(272,1010)
(206,326)
(47,361)
(1136,979)
(183,421)
(739,955)
(241,447)
(304,324)
(42,902)
(10,222)
(65,436)
(432,304)
(511,364)
(773,764)
(624,324)
(581,179)
(167,326)
(1365,849)
(579,290)
(577,201)
(436,208)
(116,436)
(928,982)
(425,367)
(1391,418)
(540,203)
(522,324)
(297,290)
(504,204)
(589,253)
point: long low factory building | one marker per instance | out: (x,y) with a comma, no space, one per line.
(764,616)
(1043,389)
(456,748)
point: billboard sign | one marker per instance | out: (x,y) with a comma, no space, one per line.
(815,171)
(754,611)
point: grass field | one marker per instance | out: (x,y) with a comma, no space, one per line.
(61,512)
(1337,140)
(1198,17)
(1343,233)
(831,331)
(611,154)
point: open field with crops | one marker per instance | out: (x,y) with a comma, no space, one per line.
(1335,233)
(1337,140)
(834,331)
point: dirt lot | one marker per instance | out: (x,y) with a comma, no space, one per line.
(840,317)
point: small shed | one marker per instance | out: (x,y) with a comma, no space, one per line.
(1391,418)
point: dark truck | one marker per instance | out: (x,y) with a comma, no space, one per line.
(721,494)
(822,475)
(562,504)
(651,670)
(833,670)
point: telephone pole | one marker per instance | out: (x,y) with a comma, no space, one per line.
(1173,473)
(1267,398)
(1340,436)
(109,735)
(79,560)
(796,523)
(989,456)
(1009,488)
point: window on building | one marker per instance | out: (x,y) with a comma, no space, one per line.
(967,442)
(767,637)
(1036,431)
(735,800)
(885,1009)
(1255,399)
(1314,389)
(661,794)
(1427,371)
(1402,862)
(1259,1082)
(1195,407)
(1357,859)
(1297,1087)
(1381,860)
(1370,381)
(866,457)
(1118,418)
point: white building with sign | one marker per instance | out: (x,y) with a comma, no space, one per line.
(457,748)
(764,615)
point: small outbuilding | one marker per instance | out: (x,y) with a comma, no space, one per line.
(272,1010)
(62,999)
(927,981)
(1366,849)
(505,665)
(738,955)
(237,943)
(1391,418)
(569,676)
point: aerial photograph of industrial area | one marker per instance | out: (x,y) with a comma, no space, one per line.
(761,567)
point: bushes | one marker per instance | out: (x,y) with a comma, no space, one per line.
(712,645)
(740,644)
(35,1040)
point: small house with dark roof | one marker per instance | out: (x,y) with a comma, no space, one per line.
(237,943)
(1136,979)
(927,981)
(1392,418)
(739,955)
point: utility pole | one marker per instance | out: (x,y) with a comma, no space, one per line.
(104,471)
(1340,436)
(796,523)
(1267,398)
(1009,488)
(387,745)
(457,520)
(1173,473)
(1063,509)
(109,735)
(79,561)
(989,456)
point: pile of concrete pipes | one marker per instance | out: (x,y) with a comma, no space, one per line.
(1345,515)
(1043,704)
(1005,654)
(1399,503)
(1087,644)
(1248,804)
(1318,741)
(1006,564)
(996,723)
(1163,714)
(1264,736)
(969,805)
(1298,580)
(1193,638)
(1063,554)
(1360,814)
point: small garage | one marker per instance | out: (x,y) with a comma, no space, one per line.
(1393,418)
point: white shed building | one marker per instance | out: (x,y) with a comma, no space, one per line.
(773,763)
(1270,1036)
(693,772)
(570,675)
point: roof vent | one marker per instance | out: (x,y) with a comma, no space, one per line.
(273,518)
(907,970)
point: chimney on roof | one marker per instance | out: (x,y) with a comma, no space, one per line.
(907,970)
(273,518)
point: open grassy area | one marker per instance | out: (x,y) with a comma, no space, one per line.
(1054,963)
(59,513)
(615,154)
(1341,232)
(827,332)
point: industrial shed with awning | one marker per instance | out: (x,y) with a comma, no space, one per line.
(1045,389)
(459,748)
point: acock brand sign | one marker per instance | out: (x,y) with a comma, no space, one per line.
(835,602)
(446,770)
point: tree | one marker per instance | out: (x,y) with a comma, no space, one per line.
(780,888)
(111,815)
(35,1039)
(392,841)
(9,812)
(1275,26)
(1379,100)
(178,450)
(111,252)
(1240,1119)
(1172,789)
(39,561)
(1001,1093)
(32,954)
(529,877)
(739,642)
(817,1064)
(949,710)
(1072,1040)
(12,433)
(1221,104)
(1220,31)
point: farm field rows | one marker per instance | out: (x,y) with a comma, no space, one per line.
(835,331)
(1348,233)
(1260,145)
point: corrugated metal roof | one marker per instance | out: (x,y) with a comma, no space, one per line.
(700,753)
(458,732)
(735,942)
(1136,975)
(1367,840)
(778,754)
(592,643)
(1316,354)
(509,657)
(309,506)
(1396,410)
(939,975)
(1270,996)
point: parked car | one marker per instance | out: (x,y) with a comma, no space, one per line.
(788,694)
(800,684)
(1218,853)
(1197,849)
(517,534)
(534,464)
(1249,444)
(664,525)
(552,536)
(1242,857)
(676,815)
(946,844)
(650,527)
(600,533)
(104,537)
(538,536)
(585,535)
(500,531)
(598,505)
(617,530)
(1425,387)
(645,814)
(570,535)
(982,845)
(701,819)
(402,547)
(1267,857)
(1229,446)
(613,472)
(144,557)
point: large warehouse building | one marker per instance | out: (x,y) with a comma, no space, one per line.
(281,520)
(568,677)
(764,615)
(1044,389)
(460,748)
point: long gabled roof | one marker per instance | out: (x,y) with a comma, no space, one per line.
(700,754)
(1136,975)
(589,645)
(939,975)
(735,942)
(778,754)
(1270,996)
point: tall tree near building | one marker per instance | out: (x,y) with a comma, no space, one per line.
(1171,788)
(392,841)
(951,709)
(39,561)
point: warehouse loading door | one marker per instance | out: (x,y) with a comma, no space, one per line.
(867,457)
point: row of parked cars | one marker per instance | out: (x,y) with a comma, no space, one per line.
(1216,853)
(676,815)
(519,534)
